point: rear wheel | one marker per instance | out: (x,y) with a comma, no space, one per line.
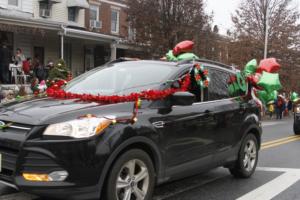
(247,158)
(132,177)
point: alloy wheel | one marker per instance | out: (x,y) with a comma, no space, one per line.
(250,154)
(133,181)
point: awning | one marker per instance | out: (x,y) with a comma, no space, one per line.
(78,3)
(86,35)
(50,1)
(15,21)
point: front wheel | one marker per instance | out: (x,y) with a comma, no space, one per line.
(247,158)
(296,130)
(132,177)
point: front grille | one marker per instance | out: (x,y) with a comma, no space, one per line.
(11,139)
(9,160)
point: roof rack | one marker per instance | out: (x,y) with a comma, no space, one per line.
(123,59)
(206,61)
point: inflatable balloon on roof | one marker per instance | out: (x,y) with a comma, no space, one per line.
(263,77)
(182,51)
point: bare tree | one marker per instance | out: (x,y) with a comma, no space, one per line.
(163,23)
(250,22)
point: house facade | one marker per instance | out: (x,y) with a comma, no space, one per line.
(84,33)
(109,17)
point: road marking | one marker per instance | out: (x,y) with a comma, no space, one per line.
(278,140)
(274,187)
(272,123)
(281,141)
(187,188)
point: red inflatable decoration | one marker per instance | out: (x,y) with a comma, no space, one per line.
(183,47)
(253,79)
(268,65)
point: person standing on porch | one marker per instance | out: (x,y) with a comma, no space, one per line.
(19,57)
(5,59)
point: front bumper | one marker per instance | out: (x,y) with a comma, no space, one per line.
(82,159)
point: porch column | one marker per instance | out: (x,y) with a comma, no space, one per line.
(62,46)
(113,51)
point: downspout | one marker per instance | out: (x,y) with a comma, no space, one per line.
(62,36)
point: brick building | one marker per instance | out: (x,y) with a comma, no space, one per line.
(109,17)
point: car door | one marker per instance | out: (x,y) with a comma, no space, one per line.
(187,138)
(228,112)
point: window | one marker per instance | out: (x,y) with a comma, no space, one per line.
(120,79)
(218,86)
(115,14)
(45,9)
(94,13)
(72,14)
(13,3)
(94,17)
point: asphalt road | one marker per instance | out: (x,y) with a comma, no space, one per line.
(277,176)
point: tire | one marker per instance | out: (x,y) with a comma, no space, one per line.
(128,168)
(296,130)
(248,147)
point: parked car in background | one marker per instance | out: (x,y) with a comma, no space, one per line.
(50,147)
(297,119)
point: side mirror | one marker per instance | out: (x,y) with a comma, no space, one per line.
(183,99)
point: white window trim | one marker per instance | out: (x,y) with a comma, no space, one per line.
(19,6)
(118,22)
(94,2)
(98,10)
(123,5)
(115,8)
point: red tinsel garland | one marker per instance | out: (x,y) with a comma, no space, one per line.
(55,91)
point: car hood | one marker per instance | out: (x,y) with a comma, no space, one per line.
(48,111)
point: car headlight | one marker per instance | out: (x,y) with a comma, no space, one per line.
(80,128)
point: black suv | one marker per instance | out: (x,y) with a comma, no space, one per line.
(48,149)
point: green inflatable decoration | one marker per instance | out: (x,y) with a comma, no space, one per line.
(241,81)
(250,67)
(184,56)
(171,57)
(239,86)
(233,89)
(263,96)
(267,98)
(187,56)
(295,97)
(269,82)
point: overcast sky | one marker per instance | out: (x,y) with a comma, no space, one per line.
(223,9)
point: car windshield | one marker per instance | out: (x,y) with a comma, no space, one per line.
(120,79)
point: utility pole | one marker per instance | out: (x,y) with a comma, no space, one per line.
(266,31)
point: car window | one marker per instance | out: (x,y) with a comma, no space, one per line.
(120,79)
(218,85)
